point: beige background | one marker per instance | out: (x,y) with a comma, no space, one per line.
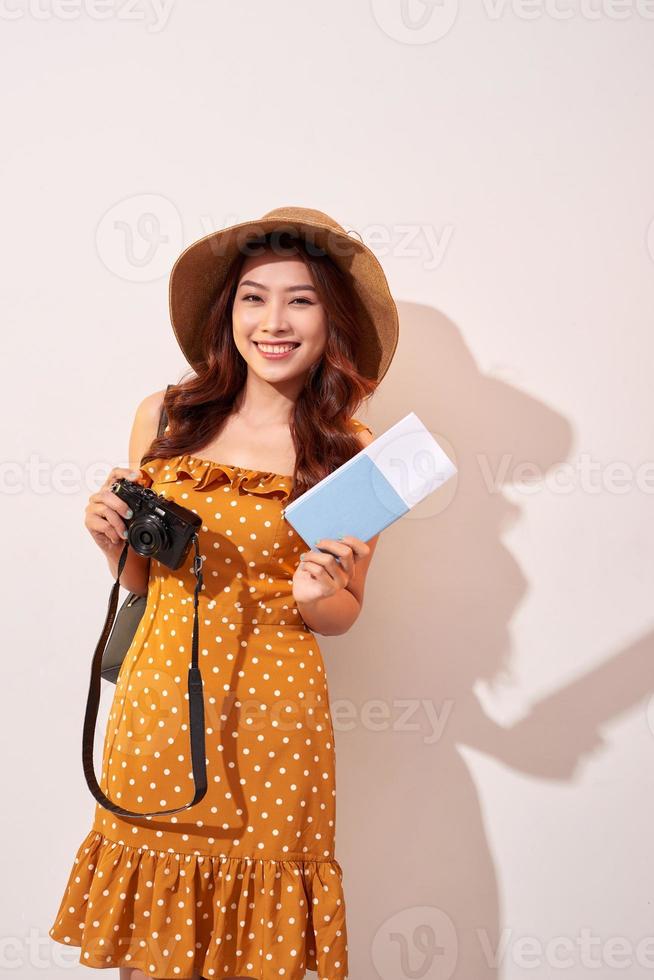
(492,704)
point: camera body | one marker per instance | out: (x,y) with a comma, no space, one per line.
(160,528)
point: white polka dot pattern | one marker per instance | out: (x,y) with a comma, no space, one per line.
(245,883)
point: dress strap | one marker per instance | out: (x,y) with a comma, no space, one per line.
(361,425)
(163,418)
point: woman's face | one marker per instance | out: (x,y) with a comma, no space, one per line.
(275,304)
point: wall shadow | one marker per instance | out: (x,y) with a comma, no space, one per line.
(420,881)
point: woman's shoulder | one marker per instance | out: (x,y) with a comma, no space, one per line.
(145,426)
(149,409)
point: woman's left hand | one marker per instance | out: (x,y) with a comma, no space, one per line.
(320,575)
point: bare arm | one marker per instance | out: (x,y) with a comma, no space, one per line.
(136,571)
(335,614)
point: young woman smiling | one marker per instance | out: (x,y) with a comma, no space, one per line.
(289,328)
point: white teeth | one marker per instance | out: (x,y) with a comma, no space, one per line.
(276,348)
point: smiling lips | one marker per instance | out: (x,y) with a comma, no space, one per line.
(275,350)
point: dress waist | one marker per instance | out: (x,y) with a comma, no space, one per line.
(279,611)
(258,614)
(266,610)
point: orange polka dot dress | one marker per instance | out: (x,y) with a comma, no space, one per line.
(245,883)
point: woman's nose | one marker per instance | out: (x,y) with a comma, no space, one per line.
(274,315)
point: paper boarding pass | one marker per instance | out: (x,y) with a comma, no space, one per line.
(374,488)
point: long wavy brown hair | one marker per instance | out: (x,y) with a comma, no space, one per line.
(320,427)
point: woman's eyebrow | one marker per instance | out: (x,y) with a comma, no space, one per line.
(289,289)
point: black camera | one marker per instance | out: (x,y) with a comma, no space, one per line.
(160,528)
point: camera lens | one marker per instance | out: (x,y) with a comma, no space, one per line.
(147,535)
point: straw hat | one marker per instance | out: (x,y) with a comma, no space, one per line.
(200,271)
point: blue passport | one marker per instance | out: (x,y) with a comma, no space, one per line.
(374,488)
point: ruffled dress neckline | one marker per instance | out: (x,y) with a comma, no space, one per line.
(230,466)
(205,473)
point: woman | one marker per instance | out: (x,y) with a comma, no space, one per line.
(289,325)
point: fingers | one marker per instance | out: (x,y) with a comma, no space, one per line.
(102,517)
(339,565)
(107,513)
(348,550)
(335,576)
(109,499)
(311,568)
(100,524)
(117,473)
(345,546)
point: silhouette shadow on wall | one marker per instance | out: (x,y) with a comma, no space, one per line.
(420,882)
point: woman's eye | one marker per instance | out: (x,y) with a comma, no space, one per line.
(298,299)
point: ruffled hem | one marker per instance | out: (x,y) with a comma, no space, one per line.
(174,914)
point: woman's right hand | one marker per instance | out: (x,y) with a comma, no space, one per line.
(105,514)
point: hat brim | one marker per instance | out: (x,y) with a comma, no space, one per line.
(200,271)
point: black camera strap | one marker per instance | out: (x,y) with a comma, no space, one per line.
(196,702)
